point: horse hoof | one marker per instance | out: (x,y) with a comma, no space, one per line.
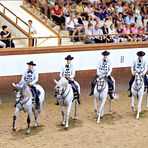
(75,118)
(133,108)
(62,124)
(35,125)
(14,129)
(98,122)
(28,132)
(66,128)
(137,118)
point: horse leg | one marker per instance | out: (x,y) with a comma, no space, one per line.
(110,105)
(139,107)
(147,101)
(100,109)
(95,105)
(36,114)
(76,108)
(133,103)
(28,123)
(62,111)
(67,115)
(14,119)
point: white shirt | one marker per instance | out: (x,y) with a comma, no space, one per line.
(104,67)
(69,23)
(97,32)
(68,70)
(139,66)
(30,76)
(31,30)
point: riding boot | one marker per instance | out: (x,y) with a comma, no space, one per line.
(92,88)
(57,103)
(37,103)
(78,97)
(111,95)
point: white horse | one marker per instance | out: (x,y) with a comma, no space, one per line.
(137,90)
(24,101)
(101,92)
(64,94)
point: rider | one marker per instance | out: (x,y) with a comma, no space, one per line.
(104,67)
(68,72)
(139,66)
(31,78)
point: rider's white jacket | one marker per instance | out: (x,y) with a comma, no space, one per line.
(104,67)
(30,76)
(68,70)
(139,66)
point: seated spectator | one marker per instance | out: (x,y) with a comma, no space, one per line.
(45,6)
(127,31)
(89,35)
(70,26)
(66,10)
(57,15)
(2,44)
(119,7)
(129,19)
(97,31)
(135,31)
(105,30)
(6,34)
(121,38)
(78,22)
(113,30)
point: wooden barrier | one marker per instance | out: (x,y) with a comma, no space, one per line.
(121,75)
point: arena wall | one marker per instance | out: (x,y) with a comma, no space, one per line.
(49,61)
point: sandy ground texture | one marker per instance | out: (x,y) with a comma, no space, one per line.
(119,129)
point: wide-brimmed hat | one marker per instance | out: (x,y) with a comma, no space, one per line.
(140,53)
(31,63)
(105,53)
(69,57)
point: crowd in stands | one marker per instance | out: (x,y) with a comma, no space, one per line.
(127,18)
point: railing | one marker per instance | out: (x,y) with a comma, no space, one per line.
(16,21)
(66,40)
(46,21)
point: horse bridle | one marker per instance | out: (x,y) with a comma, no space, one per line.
(99,90)
(141,80)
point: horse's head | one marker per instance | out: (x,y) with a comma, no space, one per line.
(19,89)
(101,82)
(139,78)
(60,87)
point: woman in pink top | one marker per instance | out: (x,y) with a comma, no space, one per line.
(127,31)
(135,31)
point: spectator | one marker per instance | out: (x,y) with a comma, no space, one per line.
(127,31)
(135,31)
(70,25)
(32,31)
(113,30)
(97,31)
(2,44)
(89,35)
(129,19)
(6,34)
(119,7)
(57,15)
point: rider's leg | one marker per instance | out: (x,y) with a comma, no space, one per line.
(111,87)
(75,89)
(36,97)
(130,85)
(93,83)
(146,82)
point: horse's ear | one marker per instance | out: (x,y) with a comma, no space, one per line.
(13,84)
(55,81)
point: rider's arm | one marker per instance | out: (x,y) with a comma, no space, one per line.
(145,68)
(72,73)
(98,68)
(110,69)
(36,78)
(61,72)
(23,76)
(133,68)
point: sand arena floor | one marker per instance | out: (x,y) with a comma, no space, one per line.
(118,129)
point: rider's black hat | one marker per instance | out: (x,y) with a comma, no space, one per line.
(140,53)
(31,63)
(69,57)
(105,53)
